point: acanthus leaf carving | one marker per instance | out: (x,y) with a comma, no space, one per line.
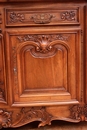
(26,115)
(79,112)
(68,15)
(42,38)
(43,45)
(5,118)
(33,114)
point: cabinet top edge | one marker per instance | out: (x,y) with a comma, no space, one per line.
(43,1)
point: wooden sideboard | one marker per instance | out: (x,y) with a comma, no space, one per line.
(43,67)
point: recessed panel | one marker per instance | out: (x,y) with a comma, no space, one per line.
(47,74)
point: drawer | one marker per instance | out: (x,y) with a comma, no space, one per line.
(39,17)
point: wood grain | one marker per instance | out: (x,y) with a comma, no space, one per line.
(43,66)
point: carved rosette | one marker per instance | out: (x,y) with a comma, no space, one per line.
(5,118)
(42,46)
(33,114)
(79,112)
(68,15)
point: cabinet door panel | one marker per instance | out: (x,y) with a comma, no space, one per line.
(45,67)
(44,73)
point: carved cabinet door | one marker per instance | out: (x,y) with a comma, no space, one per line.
(44,66)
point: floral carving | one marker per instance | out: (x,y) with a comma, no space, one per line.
(43,41)
(68,15)
(33,114)
(16,17)
(42,18)
(42,38)
(79,112)
(5,118)
(76,112)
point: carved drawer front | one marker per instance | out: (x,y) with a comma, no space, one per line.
(35,17)
(44,67)
(2,76)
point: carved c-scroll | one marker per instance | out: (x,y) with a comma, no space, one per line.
(26,115)
(43,46)
(33,114)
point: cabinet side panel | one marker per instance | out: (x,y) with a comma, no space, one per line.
(86,52)
(2,75)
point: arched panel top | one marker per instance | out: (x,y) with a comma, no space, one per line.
(42,46)
(43,50)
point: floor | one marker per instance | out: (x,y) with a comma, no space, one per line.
(56,125)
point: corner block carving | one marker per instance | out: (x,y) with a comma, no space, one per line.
(68,15)
(79,112)
(33,114)
(44,45)
(5,118)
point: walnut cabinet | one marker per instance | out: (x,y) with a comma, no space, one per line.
(43,52)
